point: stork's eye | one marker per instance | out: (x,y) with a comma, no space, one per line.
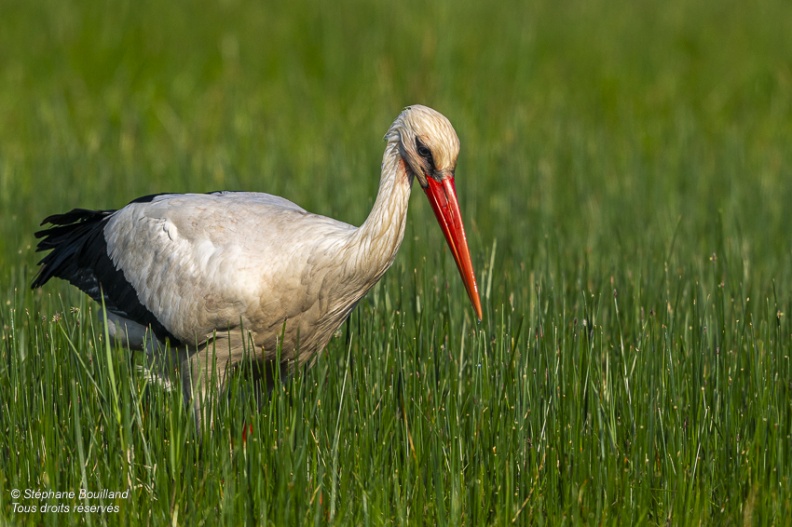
(424,152)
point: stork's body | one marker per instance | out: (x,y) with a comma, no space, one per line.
(217,274)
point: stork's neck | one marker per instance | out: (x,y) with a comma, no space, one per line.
(378,239)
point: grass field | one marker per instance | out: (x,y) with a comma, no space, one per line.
(625,176)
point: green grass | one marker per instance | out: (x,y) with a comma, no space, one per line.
(625,177)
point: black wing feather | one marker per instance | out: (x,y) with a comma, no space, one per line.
(79,255)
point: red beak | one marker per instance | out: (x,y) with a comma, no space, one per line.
(442,195)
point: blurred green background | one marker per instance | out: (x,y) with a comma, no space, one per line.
(602,126)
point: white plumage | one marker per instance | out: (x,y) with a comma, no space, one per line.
(216,274)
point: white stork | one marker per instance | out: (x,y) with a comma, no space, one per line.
(214,275)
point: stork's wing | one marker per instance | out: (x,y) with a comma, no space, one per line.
(79,255)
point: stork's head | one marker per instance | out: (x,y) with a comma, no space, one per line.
(427,143)
(429,147)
